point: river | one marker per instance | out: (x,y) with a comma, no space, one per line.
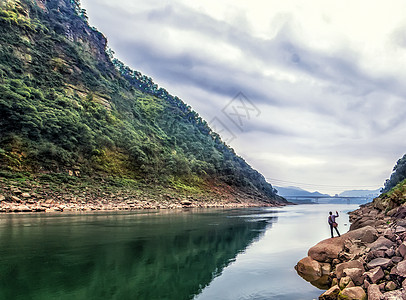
(189,254)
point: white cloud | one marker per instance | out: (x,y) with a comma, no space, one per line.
(327,76)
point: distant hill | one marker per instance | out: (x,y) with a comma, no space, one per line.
(361,193)
(296,191)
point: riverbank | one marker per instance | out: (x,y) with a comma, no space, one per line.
(368,262)
(72,194)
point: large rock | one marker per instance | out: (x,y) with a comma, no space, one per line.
(356,274)
(375,274)
(402,249)
(379,262)
(353,293)
(330,294)
(309,269)
(328,250)
(381,243)
(374,293)
(348,265)
(366,234)
(400,269)
(395,295)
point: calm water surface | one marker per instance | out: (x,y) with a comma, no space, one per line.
(197,254)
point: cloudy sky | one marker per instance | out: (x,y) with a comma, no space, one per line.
(310,93)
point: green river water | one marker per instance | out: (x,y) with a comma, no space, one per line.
(189,254)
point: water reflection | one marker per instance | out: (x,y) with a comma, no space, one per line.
(122,256)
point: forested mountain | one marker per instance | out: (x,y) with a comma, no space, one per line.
(68,106)
(398,175)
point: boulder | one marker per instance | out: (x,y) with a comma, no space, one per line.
(348,265)
(356,274)
(390,252)
(379,262)
(402,249)
(395,295)
(2,198)
(381,243)
(400,229)
(396,259)
(374,293)
(366,234)
(186,203)
(375,274)
(330,294)
(390,286)
(400,269)
(15,199)
(325,268)
(309,269)
(353,293)
(344,281)
(329,249)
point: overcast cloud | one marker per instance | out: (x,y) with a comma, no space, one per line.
(324,81)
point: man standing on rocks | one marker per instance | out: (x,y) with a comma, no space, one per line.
(332,222)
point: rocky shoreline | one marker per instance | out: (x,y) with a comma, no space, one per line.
(368,262)
(18,197)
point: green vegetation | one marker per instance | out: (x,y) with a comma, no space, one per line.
(398,175)
(66,104)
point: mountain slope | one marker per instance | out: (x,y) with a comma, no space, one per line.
(68,107)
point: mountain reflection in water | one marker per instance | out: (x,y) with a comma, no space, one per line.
(139,255)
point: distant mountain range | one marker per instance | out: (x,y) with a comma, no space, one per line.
(296,191)
(361,193)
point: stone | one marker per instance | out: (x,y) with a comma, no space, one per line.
(390,234)
(356,274)
(352,293)
(186,203)
(400,269)
(25,195)
(15,199)
(309,269)
(390,252)
(325,268)
(396,259)
(367,234)
(375,274)
(395,295)
(400,229)
(374,292)
(402,249)
(380,243)
(348,265)
(2,198)
(331,293)
(344,281)
(379,262)
(404,284)
(390,286)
